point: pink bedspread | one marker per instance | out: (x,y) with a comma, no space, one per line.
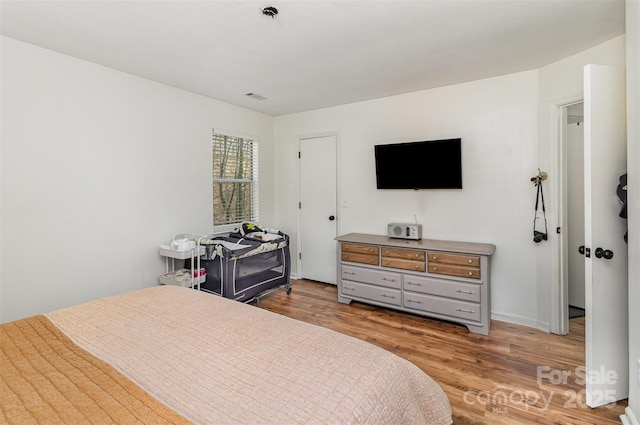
(217,361)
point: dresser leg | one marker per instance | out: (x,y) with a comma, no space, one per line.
(483,330)
(344,300)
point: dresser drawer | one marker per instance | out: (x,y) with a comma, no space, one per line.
(359,253)
(456,259)
(360,248)
(373,293)
(433,304)
(405,259)
(451,270)
(375,277)
(399,263)
(407,254)
(443,288)
(355,257)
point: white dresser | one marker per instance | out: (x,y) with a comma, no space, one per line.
(441,279)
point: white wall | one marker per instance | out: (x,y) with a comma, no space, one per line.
(633,195)
(506,131)
(497,121)
(98,169)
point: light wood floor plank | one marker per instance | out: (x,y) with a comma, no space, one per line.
(489,379)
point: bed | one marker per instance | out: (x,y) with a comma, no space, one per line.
(175,355)
(247,264)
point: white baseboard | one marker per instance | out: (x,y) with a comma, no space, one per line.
(518,320)
(629,418)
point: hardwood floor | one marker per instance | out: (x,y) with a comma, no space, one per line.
(512,376)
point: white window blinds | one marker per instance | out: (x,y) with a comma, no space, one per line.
(235,180)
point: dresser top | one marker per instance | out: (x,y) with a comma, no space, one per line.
(450,246)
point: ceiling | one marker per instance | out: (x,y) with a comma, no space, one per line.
(314,54)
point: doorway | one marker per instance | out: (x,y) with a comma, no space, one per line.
(573,132)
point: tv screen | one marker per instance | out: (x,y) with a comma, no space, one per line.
(433,164)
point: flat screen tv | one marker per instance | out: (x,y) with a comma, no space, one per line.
(432,164)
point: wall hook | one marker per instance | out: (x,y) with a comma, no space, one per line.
(542,176)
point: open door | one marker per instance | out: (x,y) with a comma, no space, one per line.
(605,148)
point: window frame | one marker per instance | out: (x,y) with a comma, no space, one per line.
(253,181)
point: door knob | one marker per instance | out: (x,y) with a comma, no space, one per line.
(332,217)
(581,250)
(606,253)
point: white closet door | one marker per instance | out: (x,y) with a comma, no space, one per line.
(318,218)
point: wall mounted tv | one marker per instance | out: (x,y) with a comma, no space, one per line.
(432,164)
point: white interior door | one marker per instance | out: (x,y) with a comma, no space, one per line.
(318,218)
(607,375)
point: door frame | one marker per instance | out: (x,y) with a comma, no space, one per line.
(558,278)
(299,139)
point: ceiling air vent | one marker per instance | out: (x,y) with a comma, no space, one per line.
(255,96)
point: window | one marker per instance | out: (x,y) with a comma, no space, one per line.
(235,180)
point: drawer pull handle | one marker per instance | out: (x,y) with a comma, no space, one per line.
(417,267)
(388,280)
(470,261)
(464,291)
(346,272)
(414,301)
(416,255)
(414,283)
(348,287)
(464,310)
(370,249)
(435,269)
(470,273)
(388,296)
(435,257)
